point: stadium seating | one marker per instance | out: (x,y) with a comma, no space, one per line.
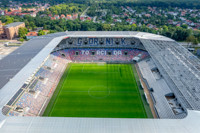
(155,81)
(86,54)
(42,86)
(45,80)
(13,113)
(179,68)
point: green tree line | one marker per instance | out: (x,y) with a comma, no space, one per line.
(176,33)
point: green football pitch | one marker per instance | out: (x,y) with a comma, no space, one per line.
(97,90)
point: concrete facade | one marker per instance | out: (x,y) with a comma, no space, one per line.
(2,33)
(10,31)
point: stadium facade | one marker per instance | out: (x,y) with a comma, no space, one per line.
(171,73)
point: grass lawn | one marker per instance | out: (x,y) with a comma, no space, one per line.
(97,90)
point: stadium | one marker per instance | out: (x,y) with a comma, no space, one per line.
(100,81)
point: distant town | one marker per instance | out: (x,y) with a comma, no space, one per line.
(174,16)
(180,24)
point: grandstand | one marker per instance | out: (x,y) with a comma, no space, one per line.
(168,74)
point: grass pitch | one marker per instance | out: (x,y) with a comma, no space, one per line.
(97,90)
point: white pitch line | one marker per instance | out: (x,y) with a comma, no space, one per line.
(83,67)
(60,90)
(133,77)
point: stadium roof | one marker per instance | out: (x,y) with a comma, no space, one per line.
(100,125)
(140,35)
(14,62)
(17,67)
(180,68)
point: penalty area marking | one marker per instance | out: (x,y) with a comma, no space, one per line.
(99,87)
(83,67)
(101,63)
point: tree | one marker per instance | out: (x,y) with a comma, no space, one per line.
(51,31)
(22,32)
(165,28)
(185,26)
(9,20)
(133,27)
(195,41)
(190,39)
(106,27)
(32,25)
(41,32)
(181,34)
(21,39)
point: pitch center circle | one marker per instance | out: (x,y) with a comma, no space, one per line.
(99,92)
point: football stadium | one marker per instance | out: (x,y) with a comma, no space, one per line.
(100,81)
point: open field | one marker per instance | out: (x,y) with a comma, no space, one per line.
(97,90)
(4,51)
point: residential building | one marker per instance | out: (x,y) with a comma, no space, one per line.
(31,35)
